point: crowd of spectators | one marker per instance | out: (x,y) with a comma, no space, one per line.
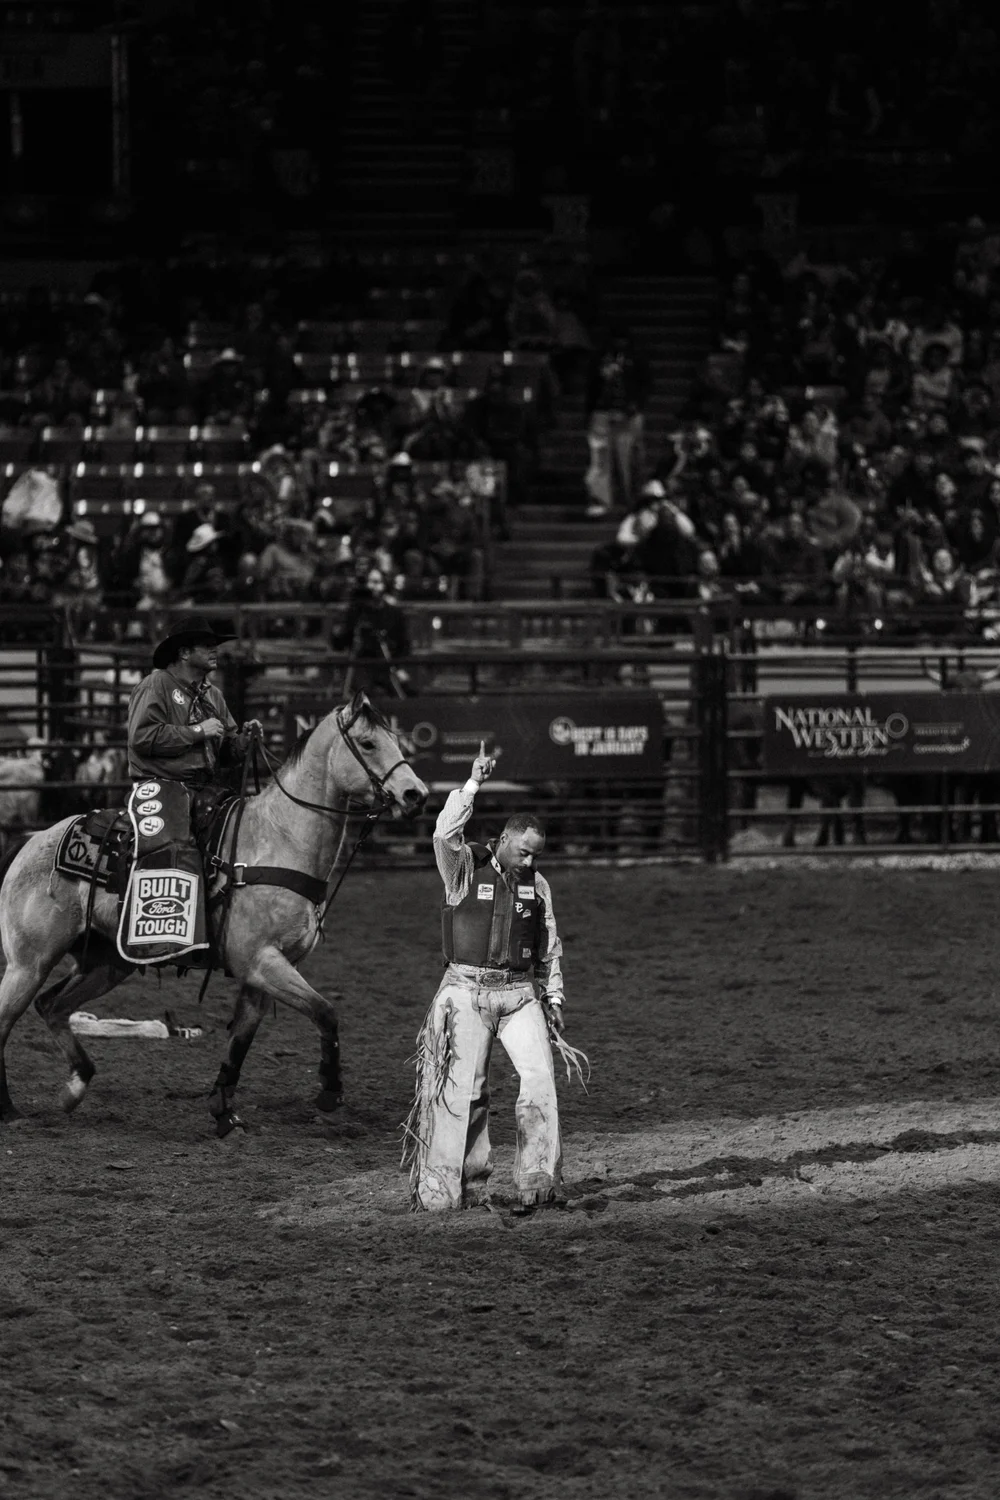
(132,357)
(842,446)
(642,105)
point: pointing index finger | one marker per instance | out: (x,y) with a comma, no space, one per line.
(482,749)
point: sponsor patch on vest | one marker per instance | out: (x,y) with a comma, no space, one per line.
(525,952)
(164,906)
(150,826)
(526,892)
(178,697)
(148,789)
(485,893)
(145,808)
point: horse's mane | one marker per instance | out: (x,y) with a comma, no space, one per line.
(368,712)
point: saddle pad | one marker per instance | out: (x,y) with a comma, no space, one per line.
(78,851)
(163,914)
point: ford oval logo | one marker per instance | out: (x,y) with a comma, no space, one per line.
(163,906)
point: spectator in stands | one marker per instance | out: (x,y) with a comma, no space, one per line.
(933,385)
(164,387)
(227,394)
(944,582)
(204,580)
(427,419)
(812,441)
(869,429)
(62,398)
(531,318)
(885,375)
(618,390)
(794,572)
(287,565)
(739,553)
(142,577)
(935,327)
(503,428)
(375,636)
(79,586)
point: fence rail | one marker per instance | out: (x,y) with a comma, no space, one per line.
(714,798)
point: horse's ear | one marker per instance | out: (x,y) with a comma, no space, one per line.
(359,703)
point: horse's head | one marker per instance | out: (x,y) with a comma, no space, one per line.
(370,763)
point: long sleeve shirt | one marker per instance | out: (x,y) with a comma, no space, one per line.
(456,863)
(164,728)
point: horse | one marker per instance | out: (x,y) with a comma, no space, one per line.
(349,764)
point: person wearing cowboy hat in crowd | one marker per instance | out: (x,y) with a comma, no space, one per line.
(79,587)
(227,393)
(204,578)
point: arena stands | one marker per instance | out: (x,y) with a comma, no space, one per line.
(386,425)
(841,448)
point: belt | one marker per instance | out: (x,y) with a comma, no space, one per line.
(494,976)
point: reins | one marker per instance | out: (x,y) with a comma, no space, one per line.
(371,815)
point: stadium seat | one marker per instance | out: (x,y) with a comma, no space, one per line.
(156,481)
(380,336)
(62,445)
(321,338)
(113,445)
(212,336)
(198,364)
(225,478)
(316,369)
(16,444)
(99,481)
(219,445)
(170,445)
(303,397)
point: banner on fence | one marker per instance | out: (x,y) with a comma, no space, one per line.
(564,737)
(878,733)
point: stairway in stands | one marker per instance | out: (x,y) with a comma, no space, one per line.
(399,172)
(551,543)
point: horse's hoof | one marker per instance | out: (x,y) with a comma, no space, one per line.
(11,1117)
(73,1092)
(227,1123)
(327,1101)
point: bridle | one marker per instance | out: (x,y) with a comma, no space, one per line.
(371,815)
(382,799)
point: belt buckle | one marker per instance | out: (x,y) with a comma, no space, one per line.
(237,878)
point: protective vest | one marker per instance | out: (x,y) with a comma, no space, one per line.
(494,926)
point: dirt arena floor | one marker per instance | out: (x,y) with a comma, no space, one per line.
(777,1274)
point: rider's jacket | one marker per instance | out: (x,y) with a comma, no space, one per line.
(164,737)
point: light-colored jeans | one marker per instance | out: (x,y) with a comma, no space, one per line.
(616,458)
(452,1159)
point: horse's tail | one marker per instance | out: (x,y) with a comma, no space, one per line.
(11,854)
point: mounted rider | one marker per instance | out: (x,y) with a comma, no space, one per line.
(182,739)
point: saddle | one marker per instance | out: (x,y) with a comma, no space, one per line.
(159,856)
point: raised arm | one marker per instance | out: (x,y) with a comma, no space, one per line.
(453,855)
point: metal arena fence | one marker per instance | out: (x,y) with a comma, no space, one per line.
(699,684)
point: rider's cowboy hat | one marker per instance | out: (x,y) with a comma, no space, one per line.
(197,630)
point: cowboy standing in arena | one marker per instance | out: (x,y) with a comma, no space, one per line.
(500,940)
